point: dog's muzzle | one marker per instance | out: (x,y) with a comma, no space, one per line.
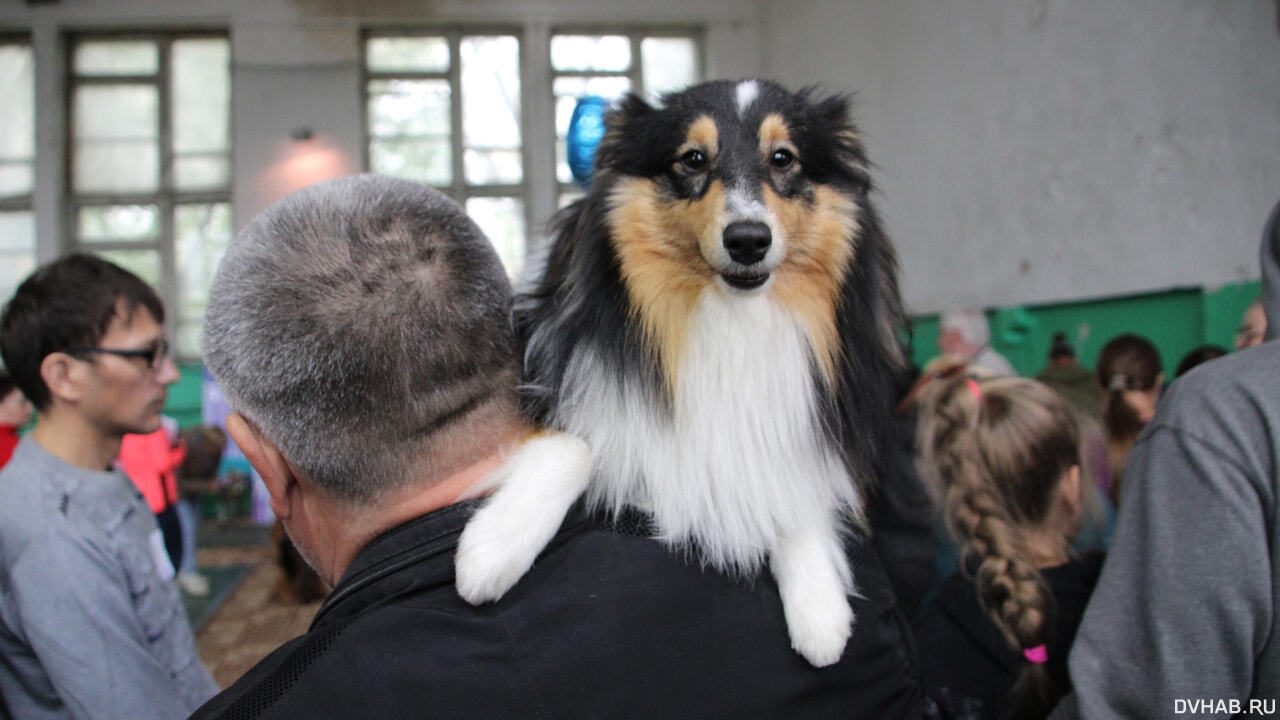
(747,242)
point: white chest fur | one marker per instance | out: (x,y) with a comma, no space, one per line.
(741,459)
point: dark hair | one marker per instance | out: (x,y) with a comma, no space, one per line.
(67,303)
(6,384)
(1060,348)
(999,449)
(1127,362)
(1199,355)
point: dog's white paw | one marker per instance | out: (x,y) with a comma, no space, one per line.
(814,582)
(820,628)
(489,561)
(535,488)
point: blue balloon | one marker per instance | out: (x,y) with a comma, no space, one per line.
(586,130)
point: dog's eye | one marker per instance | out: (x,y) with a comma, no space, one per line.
(782,158)
(694,160)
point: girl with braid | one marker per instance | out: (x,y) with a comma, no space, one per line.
(1004,456)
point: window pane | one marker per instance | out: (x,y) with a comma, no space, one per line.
(143,263)
(409,108)
(202,234)
(591,52)
(426,161)
(116,138)
(17,250)
(668,64)
(491,109)
(17,119)
(493,167)
(115,223)
(201,95)
(201,172)
(407,54)
(116,57)
(502,219)
(16,178)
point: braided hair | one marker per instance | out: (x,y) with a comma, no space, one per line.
(998,449)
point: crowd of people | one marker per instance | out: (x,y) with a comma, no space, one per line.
(1085,543)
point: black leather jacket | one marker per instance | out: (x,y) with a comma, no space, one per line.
(608,624)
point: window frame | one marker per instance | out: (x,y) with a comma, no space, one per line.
(167,198)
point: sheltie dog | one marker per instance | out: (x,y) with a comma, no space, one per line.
(717,320)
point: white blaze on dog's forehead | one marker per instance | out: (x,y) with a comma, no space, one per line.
(747,93)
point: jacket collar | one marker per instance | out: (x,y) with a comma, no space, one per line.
(429,540)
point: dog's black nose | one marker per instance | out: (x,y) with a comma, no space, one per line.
(747,241)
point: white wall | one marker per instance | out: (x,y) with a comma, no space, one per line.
(1041,150)
(297,64)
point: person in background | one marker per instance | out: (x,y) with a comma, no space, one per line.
(150,461)
(1004,455)
(1131,376)
(1253,326)
(197,475)
(373,460)
(964,333)
(1186,616)
(91,625)
(1198,356)
(1074,382)
(15,412)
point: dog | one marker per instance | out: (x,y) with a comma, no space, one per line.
(712,341)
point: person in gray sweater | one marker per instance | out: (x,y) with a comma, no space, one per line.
(1184,620)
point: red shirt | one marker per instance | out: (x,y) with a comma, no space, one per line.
(149,461)
(8,441)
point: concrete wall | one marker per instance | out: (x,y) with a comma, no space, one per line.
(1047,150)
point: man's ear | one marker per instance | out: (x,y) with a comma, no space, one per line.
(60,374)
(266,458)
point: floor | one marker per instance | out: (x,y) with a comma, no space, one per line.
(241,621)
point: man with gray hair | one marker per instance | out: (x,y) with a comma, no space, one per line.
(360,329)
(964,332)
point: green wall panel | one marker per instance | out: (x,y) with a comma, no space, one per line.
(1176,321)
(186,397)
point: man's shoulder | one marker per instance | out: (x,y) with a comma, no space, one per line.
(604,614)
(1236,393)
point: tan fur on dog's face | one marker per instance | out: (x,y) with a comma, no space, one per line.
(667,231)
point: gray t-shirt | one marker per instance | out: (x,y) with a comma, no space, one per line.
(91,625)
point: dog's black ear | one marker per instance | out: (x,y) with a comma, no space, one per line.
(628,133)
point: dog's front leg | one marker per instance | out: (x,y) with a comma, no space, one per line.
(535,489)
(814,582)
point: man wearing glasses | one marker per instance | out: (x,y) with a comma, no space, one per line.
(90,623)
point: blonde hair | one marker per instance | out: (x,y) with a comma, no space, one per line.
(997,449)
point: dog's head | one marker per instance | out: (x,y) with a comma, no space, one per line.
(754,190)
(741,184)
(741,188)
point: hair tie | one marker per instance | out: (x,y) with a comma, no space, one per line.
(1037,655)
(974,390)
(1119,383)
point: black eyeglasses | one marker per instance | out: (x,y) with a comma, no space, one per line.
(154,355)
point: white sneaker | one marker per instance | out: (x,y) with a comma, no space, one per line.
(193,584)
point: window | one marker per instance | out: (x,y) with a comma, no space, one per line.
(17,163)
(149,159)
(444,109)
(609,66)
